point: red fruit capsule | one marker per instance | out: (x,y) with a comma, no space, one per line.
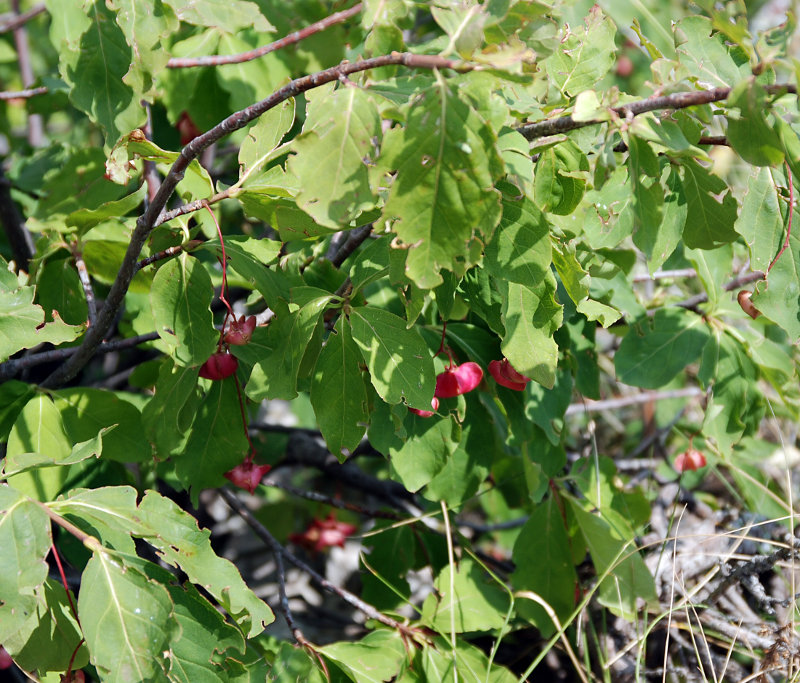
(426,413)
(505,375)
(219,366)
(690,459)
(240,331)
(248,475)
(458,380)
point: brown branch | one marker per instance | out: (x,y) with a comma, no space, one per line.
(15,365)
(196,205)
(588,406)
(14,20)
(22,94)
(86,283)
(680,100)
(236,121)
(165,254)
(291,39)
(14,226)
(263,533)
(694,301)
(35,124)
(355,238)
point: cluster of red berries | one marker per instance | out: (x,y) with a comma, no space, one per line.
(460,379)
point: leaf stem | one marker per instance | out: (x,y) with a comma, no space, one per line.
(789,220)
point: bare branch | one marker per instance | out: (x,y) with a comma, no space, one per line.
(14,225)
(14,20)
(86,283)
(679,100)
(355,238)
(291,39)
(632,400)
(694,301)
(237,120)
(35,123)
(22,94)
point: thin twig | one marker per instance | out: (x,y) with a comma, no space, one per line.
(291,39)
(634,399)
(11,367)
(14,20)
(666,275)
(191,207)
(694,301)
(355,238)
(14,225)
(35,123)
(236,121)
(165,254)
(86,283)
(22,94)
(680,100)
(263,533)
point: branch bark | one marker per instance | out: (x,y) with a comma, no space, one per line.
(147,221)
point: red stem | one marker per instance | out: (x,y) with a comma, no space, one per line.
(789,221)
(224,288)
(64,581)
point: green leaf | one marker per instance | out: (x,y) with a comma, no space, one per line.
(58,288)
(560,178)
(180,542)
(168,416)
(124,617)
(338,392)
(22,324)
(443,196)
(399,361)
(709,222)
(39,429)
(25,537)
(554,579)
(629,581)
(87,411)
(94,57)
(652,356)
(91,448)
(13,397)
(658,240)
(292,665)
(371,263)
(373,659)
(467,598)
(217,443)
(288,335)
(531,317)
(707,56)
(519,250)
(264,136)
(180,298)
(337,144)
(760,221)
(585,56)
(227,15)
(85,219)
(713,268)
(749,134)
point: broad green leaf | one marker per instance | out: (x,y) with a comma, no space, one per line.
(531,317)
(749,133)
(253,80)
(22,324)
(466,597)
(778,298)
(204,637)
(713,268)
(94,58)
(371,263)
(384,12)
(84,219)
(574,278)
(760,222)
(519,250)
(180,298)
(463,24)
(465,664)
(373,659)
(25,538)
(13,397)
(264,136)
(659,240)
(337,145)
(39,429)
(169,414)
(648,194)
(399,361)
(217,443)
(338,392)
(706,55)
(421,456)
(180,542)
(288,335)
(584,56)
(91,448)
(709,222)
(87,411)
(227,15)
(51,637)
(145,27)
(651,356)
(560,178)
(58,288)
(443,195)
(292,665)
(124,617)
(546,407)
(629,581)
(553,579)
